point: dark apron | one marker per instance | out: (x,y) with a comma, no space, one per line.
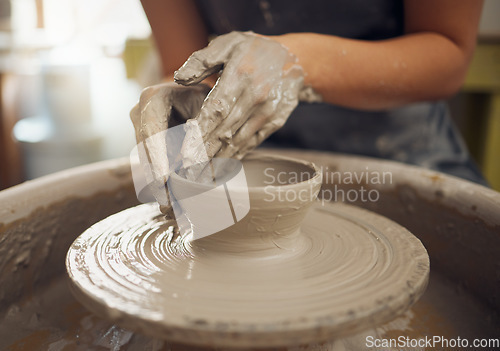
(422,134)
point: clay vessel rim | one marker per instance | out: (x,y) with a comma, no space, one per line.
(315,178)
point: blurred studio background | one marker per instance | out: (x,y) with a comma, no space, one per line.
(71,70)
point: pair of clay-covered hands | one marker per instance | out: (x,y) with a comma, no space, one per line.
(259,86)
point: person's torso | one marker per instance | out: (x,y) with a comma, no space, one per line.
(421,133)
(357,19)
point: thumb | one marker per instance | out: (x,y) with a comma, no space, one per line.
(205,62)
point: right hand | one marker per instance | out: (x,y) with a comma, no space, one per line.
(258,88)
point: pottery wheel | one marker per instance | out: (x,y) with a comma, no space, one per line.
(350,269)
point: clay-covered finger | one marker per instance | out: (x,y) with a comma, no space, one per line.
(242,137)
(268,118)
(140,113)
(250,144)
(223,97)
(209,60)
(255,140)
(155,115)
(238,117)
(151,117)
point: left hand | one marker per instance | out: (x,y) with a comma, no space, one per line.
(161,107)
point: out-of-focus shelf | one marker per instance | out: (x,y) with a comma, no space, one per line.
(484,71)
(484,77)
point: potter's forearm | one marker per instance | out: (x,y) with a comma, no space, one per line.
(379,75)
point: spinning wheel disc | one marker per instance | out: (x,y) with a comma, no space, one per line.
(348,269)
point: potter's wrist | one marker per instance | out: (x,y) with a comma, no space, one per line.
(291,42)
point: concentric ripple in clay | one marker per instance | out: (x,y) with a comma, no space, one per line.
(347,269)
